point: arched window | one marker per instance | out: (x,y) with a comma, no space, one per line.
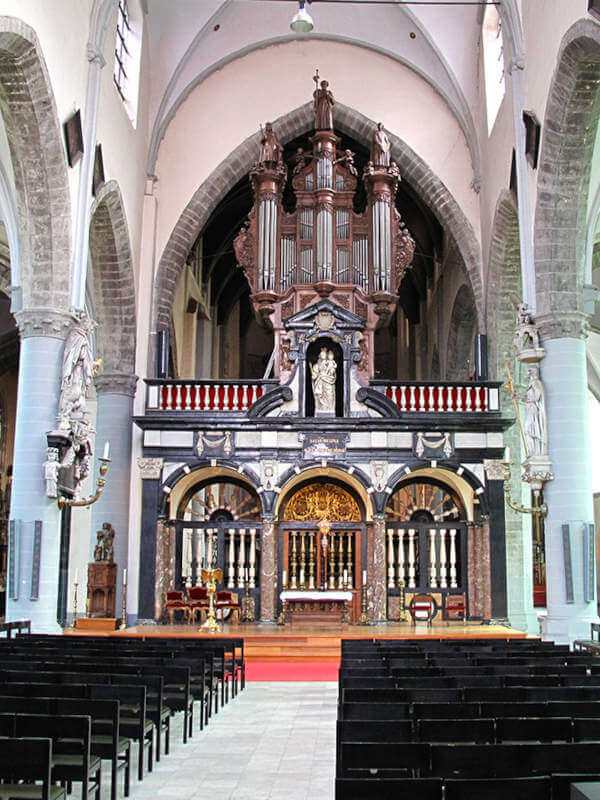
(128,53)
(493,63)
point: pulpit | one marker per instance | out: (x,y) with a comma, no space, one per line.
(101,595)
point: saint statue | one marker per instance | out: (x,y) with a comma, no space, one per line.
(51,469)
(77,371)
(104,550)
(535,427)
(323,105)
(323,373)
(270,148)
(380,147)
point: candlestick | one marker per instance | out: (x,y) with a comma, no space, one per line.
(124,602)
(74,625)
(125,575)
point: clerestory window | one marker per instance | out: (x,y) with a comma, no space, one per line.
(128,48)
(493,64)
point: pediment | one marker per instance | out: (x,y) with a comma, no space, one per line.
(325,316)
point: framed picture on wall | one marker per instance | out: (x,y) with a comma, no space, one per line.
(98,177)
(74,138)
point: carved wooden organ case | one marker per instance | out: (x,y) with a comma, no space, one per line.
(324,249)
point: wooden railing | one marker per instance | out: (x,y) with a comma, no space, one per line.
(441,398)
(207,395)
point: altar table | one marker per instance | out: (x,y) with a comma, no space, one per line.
(316,606)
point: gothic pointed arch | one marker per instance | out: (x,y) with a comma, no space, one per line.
(40,170)
(114,292)
(570,126)
(297,122)
(461,335)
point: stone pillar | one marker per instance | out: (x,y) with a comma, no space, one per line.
(510,550)
(376,569)
(151,470)
(569,495)
(113,424)
(40,366)
(268,570)
(480,593)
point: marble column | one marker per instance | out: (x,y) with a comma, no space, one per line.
(569,495)
(376,570)
(113,424)
(268,570)
(34,591)
(150,472)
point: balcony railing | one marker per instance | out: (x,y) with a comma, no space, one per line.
(441,398)
(206,396)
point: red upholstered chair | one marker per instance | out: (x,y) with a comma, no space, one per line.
(228,600)
(455,606)
(198,601)
(176,602)
(422,608)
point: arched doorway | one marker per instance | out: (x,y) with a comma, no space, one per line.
(218,526)
(322,546)
(426,540)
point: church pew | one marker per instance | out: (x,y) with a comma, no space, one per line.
(541,729)
(393,759)
(388,789)
(479,730)
(538,788)
(429,710)
(375,711)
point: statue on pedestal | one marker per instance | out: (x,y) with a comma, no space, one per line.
(535,427)
(104,550)
(380,147)
(323,373)
(323,105)
(270,147)
(77,371)
(51,468)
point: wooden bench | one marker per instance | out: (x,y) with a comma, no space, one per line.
(27,760)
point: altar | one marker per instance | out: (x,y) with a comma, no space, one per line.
(318,606)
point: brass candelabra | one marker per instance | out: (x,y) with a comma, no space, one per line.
(364,618)
(247,615)
(88,501)
(211,577)
(123,624)
(402,602)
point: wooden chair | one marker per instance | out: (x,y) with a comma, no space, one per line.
(177,602)
(27,760)
(228,600)
(455,606)
(422,608)
(198,601)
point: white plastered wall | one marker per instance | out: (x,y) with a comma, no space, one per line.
(233,102)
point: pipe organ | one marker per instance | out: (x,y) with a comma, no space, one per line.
(323,248)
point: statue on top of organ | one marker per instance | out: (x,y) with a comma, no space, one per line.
(324,249)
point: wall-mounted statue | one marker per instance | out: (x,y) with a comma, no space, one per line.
(51,468)
(323,105)
(104,550)
(77,371)
(270,147)
(526,340)
(535,425)
(380,147)
(323,373)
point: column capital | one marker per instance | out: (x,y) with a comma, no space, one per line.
(494,469)
(150,468)
(44,322)
(563,325)
(116,383)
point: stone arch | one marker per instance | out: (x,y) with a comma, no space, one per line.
(29,111)
(570,126)
(358,484)
(457,476)
(295,123)
(461,335)
(114,292)
(504,280)
(182,479)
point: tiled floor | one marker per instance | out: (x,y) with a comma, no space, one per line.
(275,740)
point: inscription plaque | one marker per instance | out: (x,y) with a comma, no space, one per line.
(324,445)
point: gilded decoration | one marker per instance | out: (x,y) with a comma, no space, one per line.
(322,501)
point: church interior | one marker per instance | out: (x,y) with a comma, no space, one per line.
(298,327)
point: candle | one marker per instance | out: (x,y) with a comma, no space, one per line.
(507,454)
(301,576)
(106,448)
(76,575)
(247,575)
(364,575)
(345,577)
(125,575)
(284,578)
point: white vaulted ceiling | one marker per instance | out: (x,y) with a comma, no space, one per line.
(185,47)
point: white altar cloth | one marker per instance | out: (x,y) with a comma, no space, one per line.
(293,594)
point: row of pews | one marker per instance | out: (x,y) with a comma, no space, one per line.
(89,699)
(465,719)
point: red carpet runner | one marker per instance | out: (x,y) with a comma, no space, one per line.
(292,671)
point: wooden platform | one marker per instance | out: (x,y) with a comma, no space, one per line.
(303,643)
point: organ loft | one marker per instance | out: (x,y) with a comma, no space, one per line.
(324,249)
